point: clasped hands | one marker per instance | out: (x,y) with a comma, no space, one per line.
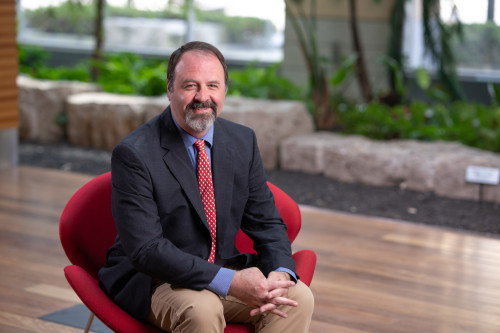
(263,294)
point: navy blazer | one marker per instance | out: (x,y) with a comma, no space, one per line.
(162,227)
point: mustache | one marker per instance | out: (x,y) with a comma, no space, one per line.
(202,105)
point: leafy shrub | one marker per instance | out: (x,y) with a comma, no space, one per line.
(472,124)
(130,74)
(120,73)
(32,61)
(260,82)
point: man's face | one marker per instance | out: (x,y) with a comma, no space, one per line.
(198,92)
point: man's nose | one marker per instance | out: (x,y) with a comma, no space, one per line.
(202,94)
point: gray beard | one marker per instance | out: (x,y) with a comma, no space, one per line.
(200,122)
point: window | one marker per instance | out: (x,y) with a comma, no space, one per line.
(478,55)
(244,31)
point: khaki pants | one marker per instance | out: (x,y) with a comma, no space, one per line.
(186,310)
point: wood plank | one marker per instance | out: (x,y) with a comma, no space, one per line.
(9,52)
(8,63)
(422,278)
(16,322)
(7,9)
(10,123)
(65,294)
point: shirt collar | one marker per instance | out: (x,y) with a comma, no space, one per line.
(189,140)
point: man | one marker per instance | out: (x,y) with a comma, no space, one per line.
(178,206)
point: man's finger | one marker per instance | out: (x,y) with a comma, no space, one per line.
(280,284)
(271,308)
(283,301)
(282,292)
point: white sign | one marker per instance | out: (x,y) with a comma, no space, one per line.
(482,175)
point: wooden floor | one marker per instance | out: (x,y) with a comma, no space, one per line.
(373,275)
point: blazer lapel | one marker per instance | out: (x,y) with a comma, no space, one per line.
(179,164)
(223,170)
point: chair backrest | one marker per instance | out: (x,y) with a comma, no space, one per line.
(87,228)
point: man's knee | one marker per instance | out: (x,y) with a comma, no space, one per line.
(298,318)
(303,295)
(204,313)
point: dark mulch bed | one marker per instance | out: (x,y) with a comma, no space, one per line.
(314,190)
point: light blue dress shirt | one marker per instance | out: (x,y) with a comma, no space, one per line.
(222,280)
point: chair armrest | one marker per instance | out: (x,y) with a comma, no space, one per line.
(305,261)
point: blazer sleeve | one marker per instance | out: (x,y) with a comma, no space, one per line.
(261,220)
(139,229)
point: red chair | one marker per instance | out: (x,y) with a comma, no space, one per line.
(87,230)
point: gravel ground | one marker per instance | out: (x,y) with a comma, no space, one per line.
(314,190)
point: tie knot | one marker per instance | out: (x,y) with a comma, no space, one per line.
(200,144)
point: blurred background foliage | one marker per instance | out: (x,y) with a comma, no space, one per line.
(443,115)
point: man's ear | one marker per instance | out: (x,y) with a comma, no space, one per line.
(168,87)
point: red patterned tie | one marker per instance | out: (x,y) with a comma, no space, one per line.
(207,192)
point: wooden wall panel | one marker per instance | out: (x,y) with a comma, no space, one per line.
(9,106)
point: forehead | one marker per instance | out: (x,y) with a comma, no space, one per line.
(199,62)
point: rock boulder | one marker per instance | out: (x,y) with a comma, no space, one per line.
(41,102)
(437,167)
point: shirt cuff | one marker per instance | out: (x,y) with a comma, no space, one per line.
(221,282)
(286,270)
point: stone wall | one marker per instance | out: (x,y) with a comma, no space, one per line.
(272,121)
(101,120)
(41,102)
(437,167)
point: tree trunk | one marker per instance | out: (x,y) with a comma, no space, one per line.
(362,73)
(491,10)
(97,54)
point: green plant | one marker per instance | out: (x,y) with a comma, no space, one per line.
(399,89)
(125,73)
(494,90)
(438,38)
(32,61)
(79,72)
(439,46)
(434,91)
(305,27)
(261,82)
(472,124)
(130,74)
